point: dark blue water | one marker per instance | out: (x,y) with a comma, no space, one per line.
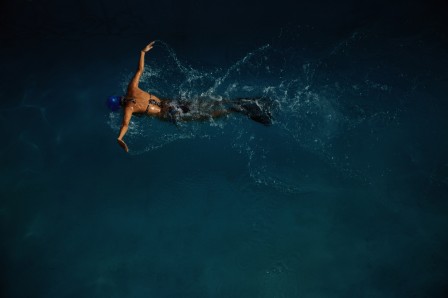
(345,195)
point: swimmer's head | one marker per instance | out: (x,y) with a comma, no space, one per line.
(114,103)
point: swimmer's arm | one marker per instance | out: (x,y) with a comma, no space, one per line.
(136,79)
(124,128)
(141,66)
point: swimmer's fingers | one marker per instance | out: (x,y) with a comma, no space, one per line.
(149,46)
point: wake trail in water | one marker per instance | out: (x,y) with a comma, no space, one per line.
(311,107)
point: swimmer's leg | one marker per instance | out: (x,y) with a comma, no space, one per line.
(207,111)
(256,108)
(220,113)
(205,117)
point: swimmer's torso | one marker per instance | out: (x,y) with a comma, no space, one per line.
(141,103)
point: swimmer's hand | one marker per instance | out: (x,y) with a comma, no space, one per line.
(148,47)
(123,145)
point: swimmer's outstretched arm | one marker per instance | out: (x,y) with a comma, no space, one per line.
(124,128)
(141,65)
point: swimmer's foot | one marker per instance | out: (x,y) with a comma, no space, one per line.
(255,108)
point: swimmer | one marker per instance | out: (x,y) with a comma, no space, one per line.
(139,102)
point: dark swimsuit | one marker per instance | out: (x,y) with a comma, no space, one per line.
(152,102)
(171,110)
(124,100)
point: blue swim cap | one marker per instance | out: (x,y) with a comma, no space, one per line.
(114,103)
